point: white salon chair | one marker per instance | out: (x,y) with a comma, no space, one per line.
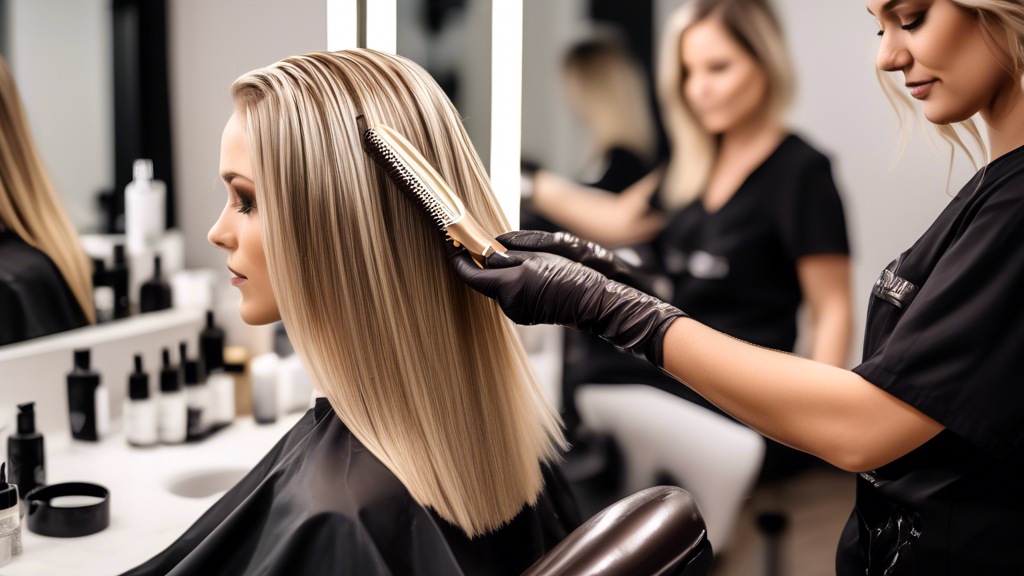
(714,458)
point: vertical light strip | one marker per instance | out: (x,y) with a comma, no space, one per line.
(382,25)
(342,24)
(506,103)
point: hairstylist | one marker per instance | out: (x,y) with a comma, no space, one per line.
(933,419)
(749,223)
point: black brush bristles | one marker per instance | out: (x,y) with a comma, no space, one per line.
(406,179)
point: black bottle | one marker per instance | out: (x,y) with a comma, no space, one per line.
(118,278)
(197,396)
(211,345)
(88,401)
(156,292)
(25,452)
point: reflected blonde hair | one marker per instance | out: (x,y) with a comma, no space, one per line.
(694,150)
(429,375)
(1002,24)
(29,205)
(616,103)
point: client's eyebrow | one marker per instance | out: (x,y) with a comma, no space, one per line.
(229,176)
(889,6)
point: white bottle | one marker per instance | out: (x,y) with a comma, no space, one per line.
(140,410)
(295,385)
(144,208)
(173,422)
(265,387)
(222,398)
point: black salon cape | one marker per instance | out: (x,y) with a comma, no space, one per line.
(320,503)
(35,300)
(945,334)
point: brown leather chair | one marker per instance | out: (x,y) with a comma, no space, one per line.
(655,532)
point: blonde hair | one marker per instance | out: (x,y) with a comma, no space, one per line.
(29,205)
(429,375)
(996,18)
(694,149)
(616,105)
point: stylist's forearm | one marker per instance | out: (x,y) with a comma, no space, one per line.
(805,404)
(831,342)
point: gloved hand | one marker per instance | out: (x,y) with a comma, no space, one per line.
(590,254)
(541,288)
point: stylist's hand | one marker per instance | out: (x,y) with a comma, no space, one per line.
(541,288)
(590,254)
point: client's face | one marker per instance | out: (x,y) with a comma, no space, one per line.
(238,229)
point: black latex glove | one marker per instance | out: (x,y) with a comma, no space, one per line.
(541,288)
(590,254)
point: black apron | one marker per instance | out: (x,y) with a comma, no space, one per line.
(320,503)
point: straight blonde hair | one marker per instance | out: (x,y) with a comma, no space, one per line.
(429,375)
(1002,23)
(29,205)
(694,149)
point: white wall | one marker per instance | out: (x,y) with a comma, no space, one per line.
(61,55)
(841,109)
(210,44)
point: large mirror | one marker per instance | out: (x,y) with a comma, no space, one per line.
(452,41)
(93,80)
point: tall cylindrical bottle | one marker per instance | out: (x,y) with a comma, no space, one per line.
(25,452)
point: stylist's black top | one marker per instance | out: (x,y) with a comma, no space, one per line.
(320,503)
(945,334)
(35,300)
(735,269)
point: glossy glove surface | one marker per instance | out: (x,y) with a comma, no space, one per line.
(590,254)
(542,288)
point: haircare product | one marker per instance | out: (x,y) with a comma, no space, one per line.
(144,201)
(88,400)
(265,387)
(221,385)
(296,387)
(140,410)
(10,518)
(173,423)
(414,176)
(118,278)
(236,364)
(197,396)
(102,292)
(25,452)
(156,292)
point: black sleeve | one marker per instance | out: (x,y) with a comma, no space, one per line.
(12,317)
(956,352)
(808,213)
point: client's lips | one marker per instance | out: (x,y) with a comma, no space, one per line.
(235,273)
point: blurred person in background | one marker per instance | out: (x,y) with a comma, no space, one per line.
(745,217)
(607,91)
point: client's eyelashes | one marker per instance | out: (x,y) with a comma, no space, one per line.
(245,204)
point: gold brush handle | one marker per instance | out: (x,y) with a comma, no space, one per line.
(466,232)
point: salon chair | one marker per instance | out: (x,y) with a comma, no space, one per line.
(655,532)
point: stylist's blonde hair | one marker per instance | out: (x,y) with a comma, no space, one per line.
(29,205)
(1002,23)
(616,102)
(694,151)
(429,375)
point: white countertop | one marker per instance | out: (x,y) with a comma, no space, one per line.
(145,516)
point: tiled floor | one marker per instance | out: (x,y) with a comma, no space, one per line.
(817,502)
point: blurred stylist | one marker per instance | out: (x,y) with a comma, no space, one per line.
(45,276)
(608,92)
(755,225)
(934,416)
